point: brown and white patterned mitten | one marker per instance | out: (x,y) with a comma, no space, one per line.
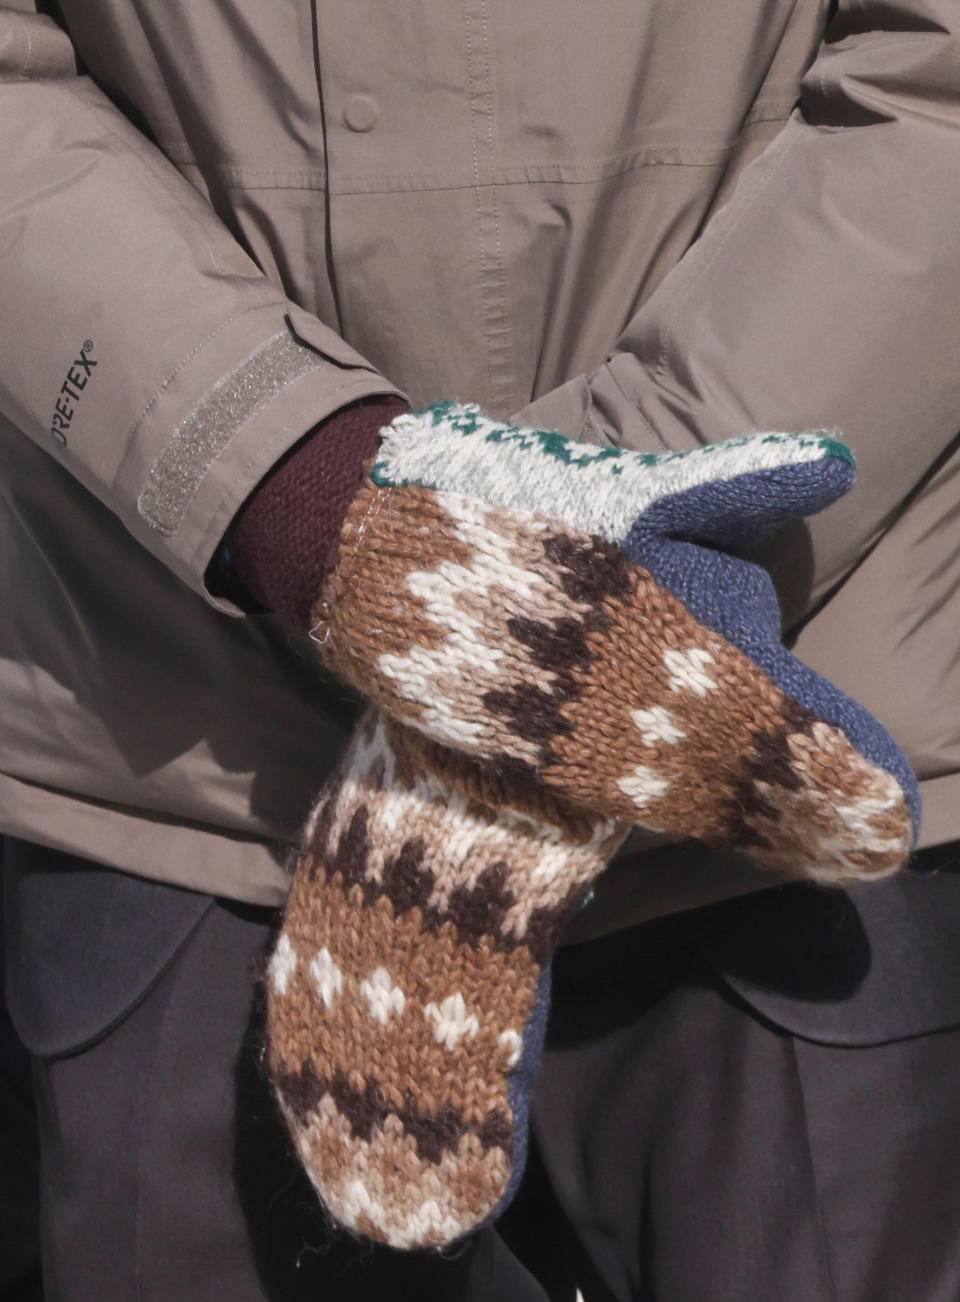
(564,641)
(578,616)
(408,989)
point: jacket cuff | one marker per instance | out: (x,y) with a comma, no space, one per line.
(227,414)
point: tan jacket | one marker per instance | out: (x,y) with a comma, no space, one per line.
(659,221)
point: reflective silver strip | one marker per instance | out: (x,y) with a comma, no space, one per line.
(203,434)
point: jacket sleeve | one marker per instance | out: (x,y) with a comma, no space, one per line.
(824,293)
(139,344)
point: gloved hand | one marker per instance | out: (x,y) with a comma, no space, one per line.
(407,993)
(408,988)
(560,613)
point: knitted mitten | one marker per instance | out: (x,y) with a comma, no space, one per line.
(407,992)
(549,608)
(565,651)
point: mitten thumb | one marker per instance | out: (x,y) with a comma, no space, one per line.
(734,494)
(728,494)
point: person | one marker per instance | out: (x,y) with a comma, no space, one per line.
(230,239)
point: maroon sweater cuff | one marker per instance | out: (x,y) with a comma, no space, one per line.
(284,540)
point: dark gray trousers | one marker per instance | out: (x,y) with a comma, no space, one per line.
(748,1103)
(166,1174)
(701,1153)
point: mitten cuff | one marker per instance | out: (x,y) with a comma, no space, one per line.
(284,540)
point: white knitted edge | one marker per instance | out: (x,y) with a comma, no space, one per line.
(590,488)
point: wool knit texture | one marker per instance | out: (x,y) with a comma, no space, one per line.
(550,653)
(555,648)
(284,539)
(405,993)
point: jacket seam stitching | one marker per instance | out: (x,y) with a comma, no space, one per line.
(180,145)
(604,167)
(197,348)
(646,156)
(503,347)
(495,318)
(391,186)
(484,302)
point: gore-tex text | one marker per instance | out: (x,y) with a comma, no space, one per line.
(76,381)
